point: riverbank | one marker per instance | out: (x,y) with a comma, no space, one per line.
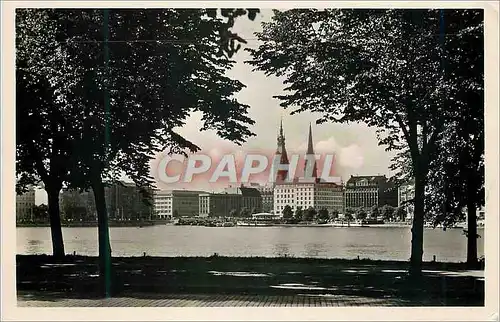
(77,276)
(94,224)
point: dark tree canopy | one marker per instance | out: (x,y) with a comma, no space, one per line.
(287,212)
(392,69)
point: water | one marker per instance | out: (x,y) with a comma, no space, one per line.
(386,243)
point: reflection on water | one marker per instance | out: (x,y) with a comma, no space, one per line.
(282,250)
(34,246)
(374,243)
(314,250)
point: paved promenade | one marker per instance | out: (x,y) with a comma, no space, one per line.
(214,282)
(191,300)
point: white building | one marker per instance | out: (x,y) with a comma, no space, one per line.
(319,195)
(25,204)
(172,203)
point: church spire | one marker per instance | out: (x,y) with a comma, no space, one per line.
(310,148)
(310,152)
(281,150)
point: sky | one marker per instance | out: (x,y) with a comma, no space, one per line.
(355,145)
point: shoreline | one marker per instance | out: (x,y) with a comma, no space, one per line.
(94,224)
(150,224)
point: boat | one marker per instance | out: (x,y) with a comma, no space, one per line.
(254,224)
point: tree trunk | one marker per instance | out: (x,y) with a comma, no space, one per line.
(417,230)
(55,221)
(471,234)
(103,236)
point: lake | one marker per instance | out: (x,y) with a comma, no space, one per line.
(386,243)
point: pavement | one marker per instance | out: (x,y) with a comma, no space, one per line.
(243,282)
(202,300)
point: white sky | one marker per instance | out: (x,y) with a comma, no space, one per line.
(355,145)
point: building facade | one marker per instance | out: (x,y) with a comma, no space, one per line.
(124,201)
(368,191)
(176,203)
(267,195)
(219,204)
(232,199)
(74,205)
(318,195)
(24,205)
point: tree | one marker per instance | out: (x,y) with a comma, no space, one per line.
(323,214)
(298,213)
(456,180)
(387,68)
(309,214)
(40,212)
(233,213)
(399,213)
(375,212)
(42,153)
(334,214)
(116,106)
(361,214)
(348,216)
(388,212)
(287,212)
(244,213)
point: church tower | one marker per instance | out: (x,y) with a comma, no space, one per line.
(310,153)
(281,150)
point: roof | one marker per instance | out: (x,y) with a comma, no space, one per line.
(249,192)
(371,179)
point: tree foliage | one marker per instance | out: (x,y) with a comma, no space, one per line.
(287,212)
(399,213)
(298,213)
(391,69)
(113,85)
(244,213)
(361,214)
(233,213)
(323,214)
(388,212)
(309,214)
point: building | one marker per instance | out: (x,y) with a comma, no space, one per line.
(368,191)
(124,201)
(406,194)
(176,203)
(251,198)
(24,205)
(316,194)
(219,204)
(267,195)
(233,199)
(73,205)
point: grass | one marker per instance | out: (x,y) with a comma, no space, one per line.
(77,276)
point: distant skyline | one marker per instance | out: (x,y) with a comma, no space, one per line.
(355,145)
